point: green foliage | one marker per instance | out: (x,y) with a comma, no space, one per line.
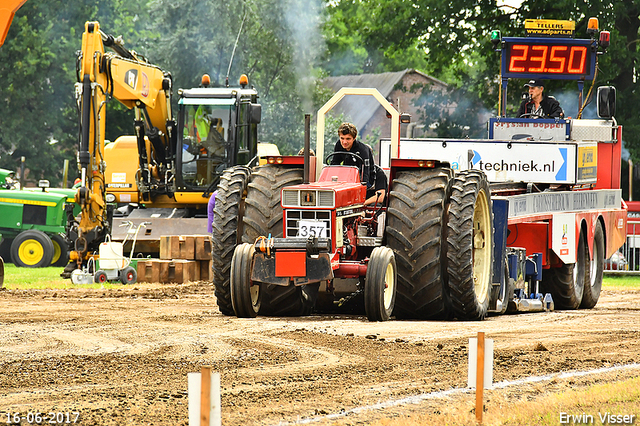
(285,47)
(452,39)
(37,76)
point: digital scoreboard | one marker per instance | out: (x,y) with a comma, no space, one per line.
(554,58)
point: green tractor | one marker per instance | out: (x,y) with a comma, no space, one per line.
(32,223)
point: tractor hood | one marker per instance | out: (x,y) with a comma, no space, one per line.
(324,195)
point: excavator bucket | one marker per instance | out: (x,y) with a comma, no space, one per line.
(8,8)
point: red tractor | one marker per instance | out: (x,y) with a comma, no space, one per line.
(392,252)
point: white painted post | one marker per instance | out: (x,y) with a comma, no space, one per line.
(204,398)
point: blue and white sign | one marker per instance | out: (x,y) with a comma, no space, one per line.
(501,161)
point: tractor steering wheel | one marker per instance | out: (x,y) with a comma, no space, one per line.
(354,155)
(530,114)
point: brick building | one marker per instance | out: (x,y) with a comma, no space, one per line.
(401,88)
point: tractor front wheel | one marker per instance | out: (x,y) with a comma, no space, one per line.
(380,284)
(245,294)
(32,249)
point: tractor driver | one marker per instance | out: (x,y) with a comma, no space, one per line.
(539,105)
(371,174)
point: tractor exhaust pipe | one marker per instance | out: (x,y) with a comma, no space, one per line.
(307,146)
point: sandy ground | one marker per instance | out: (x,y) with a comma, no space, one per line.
(121,357)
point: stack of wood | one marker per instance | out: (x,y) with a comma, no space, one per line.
(182,258)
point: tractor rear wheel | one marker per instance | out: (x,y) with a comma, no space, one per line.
(60,251)
(226,230)
(414,232)
(32,249)
(566,283)
(470,245)
(246,296)
(380,284)
(263,217)
(593,278)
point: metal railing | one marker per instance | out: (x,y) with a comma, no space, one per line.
(627,258)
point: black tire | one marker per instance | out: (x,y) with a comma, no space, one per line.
(246,296)
(470,245)
(289,301)
(60,251)
(5,249)
(1,272)
(594,271)
(128,275)
(226,231)
(263,216)
(380,284)
(415,234)
(565,286)
(503,294)
(32,249)
(100,277)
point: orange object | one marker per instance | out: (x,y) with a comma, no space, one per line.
(291,264)
(7,10)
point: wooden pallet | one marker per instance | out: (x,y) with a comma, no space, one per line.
(190,247)
(173,271)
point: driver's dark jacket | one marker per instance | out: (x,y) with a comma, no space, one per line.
(550,107)
(364,152)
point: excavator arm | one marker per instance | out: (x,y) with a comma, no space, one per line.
(130,79)
(8,8)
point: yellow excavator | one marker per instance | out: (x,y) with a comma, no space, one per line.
(170,166)
(8,9)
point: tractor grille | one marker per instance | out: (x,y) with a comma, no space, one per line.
(307,198)
(294,217)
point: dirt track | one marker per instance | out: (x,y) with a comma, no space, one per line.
(122,356)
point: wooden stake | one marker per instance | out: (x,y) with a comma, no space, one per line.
(205,396)
(480,377)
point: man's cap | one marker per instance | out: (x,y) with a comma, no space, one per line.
(535,83)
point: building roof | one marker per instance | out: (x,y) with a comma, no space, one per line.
(358,109)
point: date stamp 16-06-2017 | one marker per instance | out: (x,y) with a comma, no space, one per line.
(40,418)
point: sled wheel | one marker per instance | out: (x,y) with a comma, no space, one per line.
(593,280)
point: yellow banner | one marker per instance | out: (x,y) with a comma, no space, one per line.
(549,27)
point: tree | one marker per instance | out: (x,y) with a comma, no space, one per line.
(454,37)
(37,76)
(279,44)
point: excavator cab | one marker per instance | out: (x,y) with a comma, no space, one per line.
(218,130)
(205,143)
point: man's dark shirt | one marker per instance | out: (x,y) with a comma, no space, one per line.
(550,107)
(380,182)
(348,160)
